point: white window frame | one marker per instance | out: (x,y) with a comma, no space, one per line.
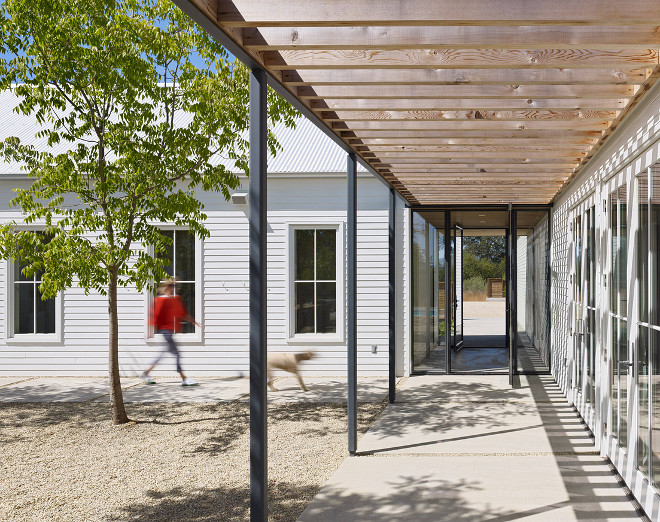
(185,338)
(33,338)
(315,338)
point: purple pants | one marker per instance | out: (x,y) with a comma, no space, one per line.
(170,348)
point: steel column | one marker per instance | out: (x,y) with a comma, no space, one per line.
(258,231)
(448,294)
(392,307)
(512,289)
(351,300)
(548,283)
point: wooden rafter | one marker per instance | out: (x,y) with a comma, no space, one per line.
(458,100)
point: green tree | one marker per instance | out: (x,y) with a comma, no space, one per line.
(492,248)
(115,83)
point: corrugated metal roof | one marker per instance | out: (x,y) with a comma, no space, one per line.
(304,149)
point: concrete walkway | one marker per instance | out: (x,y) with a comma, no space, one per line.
(466,448)
(454,448)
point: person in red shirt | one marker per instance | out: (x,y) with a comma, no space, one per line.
(168,314)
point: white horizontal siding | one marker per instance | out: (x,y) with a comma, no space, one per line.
(225,340)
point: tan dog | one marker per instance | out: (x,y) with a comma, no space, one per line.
(289,363)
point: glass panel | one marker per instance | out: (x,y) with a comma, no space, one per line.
(440,289)
(654,346)
(613,276)
(304,249)
(45,314)
(623,253)
(326,255)
(654,247)
(452,293)
(169,252)
(428,299)
(643,445)
(420,290)
(615,377)
(459,286)
(187,293)
(304,307)
(643,248)
(185,255)
(592,351)
(577,232)
(326,307)
(623,383)
(24,308)
(18,272)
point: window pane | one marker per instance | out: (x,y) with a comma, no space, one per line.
(623,383)
(185,255)
(615,379)
(304,307)
(326,255)
(623,253)
(643,446)
(18,272)
(23,308)
(613,276)
(654,346)
(187,293)
(643,249)
(654,247)
(326,307)
(45,314)
(304,253)
(169,252)
(421,290)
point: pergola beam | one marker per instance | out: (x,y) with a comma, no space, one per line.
(454,115)
(450,37)
(476,124)
(557,77)
(467,104)
(252,13)
(466,91)
(457,58)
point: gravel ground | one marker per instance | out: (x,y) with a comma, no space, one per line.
(172,462)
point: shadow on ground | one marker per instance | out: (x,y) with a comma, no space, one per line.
(286,502)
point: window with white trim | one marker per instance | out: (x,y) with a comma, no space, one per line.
(28,317)
(32,314)
(314,290)
(182,254)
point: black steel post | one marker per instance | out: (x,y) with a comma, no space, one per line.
(448,294)
(511,292)
(548,283)
(392,307)
(351,301)
(258,231)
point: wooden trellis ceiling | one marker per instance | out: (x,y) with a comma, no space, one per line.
(461,101)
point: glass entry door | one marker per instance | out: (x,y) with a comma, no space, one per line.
(457,276)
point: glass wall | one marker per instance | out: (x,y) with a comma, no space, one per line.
(428,299)
(619,314)
(590,301)
(648,324)
(531,285)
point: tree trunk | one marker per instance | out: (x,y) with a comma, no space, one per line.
(116,397)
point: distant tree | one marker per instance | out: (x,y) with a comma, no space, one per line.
(116,83)
(492,248)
